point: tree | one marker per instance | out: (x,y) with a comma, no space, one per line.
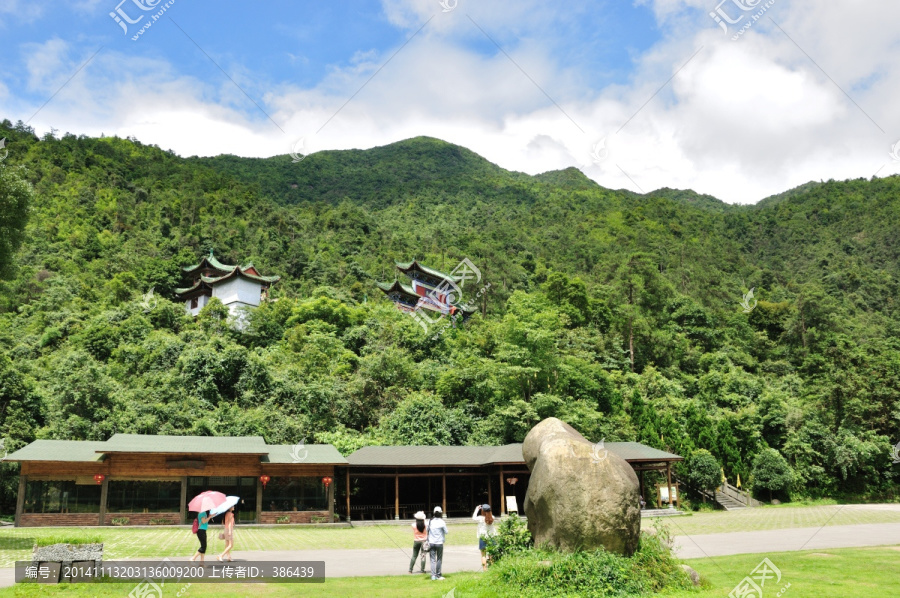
(421,419)
(704,471)
(771,472)
(15,198)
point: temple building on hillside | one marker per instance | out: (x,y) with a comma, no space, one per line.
(236,287)
(428,289)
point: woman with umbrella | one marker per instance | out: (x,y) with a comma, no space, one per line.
(228,535)
(203,519)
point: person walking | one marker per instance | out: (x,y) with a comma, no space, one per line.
(227,535)
(420,534)
(485,529)
(437,532)
(203,520)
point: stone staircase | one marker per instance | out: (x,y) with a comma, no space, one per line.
(733,499)
(730,498)
(729,503)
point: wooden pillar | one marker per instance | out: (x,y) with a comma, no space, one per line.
(331,497)
(472,488)
(104,495)
(348,494)
(183,506)
(444,491)
(502,493)
(397,497)
(20,500)
(669,482)
(490,494)
(429,505)
(259,500)
(642,486)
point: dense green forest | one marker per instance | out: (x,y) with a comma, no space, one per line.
(616,312)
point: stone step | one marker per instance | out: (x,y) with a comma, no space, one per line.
(660,512)
(729,503)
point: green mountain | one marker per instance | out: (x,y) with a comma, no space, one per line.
(617,312)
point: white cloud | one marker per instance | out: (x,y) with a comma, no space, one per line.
(743,120)
(25,11)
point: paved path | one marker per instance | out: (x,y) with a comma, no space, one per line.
(786,540)
(395,561)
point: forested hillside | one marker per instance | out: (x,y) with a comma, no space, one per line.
(619,313)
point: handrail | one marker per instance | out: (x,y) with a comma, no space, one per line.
(739,495)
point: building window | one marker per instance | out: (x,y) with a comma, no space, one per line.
(242,487)
(61,496)
(194,302)
(295,494)
(126,496)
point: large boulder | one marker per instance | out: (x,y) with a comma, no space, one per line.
(580,496)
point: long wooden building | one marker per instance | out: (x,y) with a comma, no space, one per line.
(145,480)
(393,482)
(141,480)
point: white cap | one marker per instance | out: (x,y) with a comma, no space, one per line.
(438,510)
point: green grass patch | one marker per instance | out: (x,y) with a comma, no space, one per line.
(69,538)
(156,541)
(837,573)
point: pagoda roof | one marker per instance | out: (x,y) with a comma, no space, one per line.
(197,286)
(415,265)
(403,289)
(397,286)
(227,272)
(210,262)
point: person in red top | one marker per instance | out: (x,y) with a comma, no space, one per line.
(420,532)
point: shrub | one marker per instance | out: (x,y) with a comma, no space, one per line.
(512,537)
(160,521)
(283,519)
(704,471)
(593,573)
(119,520)
(771,472)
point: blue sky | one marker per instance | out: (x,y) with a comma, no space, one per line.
(639,95)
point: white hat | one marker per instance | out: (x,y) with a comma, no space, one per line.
(420,515)
(438,510)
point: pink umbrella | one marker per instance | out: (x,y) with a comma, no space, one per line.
(206,501)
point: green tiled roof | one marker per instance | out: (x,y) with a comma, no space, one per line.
(239,272)
(416,265)
(212,262)
(635,451)
(436,456)
(184,290)
(470,456)
(310,453)
(139,443)
(388,287)
(59,450)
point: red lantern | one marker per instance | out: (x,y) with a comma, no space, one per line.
(512,481)
(327,481)
(264,479)
(99,478)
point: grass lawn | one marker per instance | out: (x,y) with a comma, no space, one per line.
(840,573)
(125,542)
(134,542)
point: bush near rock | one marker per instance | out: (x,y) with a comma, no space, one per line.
(580,497)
